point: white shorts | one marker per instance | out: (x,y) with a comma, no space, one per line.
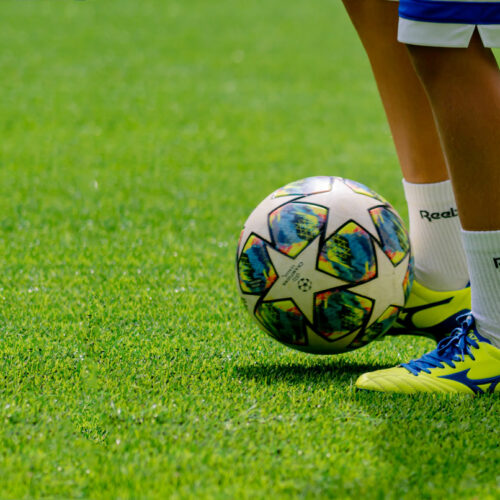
(448,23)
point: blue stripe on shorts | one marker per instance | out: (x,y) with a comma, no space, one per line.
(437,11)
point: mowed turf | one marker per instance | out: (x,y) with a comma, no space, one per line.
(136,137)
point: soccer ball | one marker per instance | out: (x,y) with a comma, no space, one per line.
(324,265)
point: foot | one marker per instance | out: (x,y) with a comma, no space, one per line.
(465,362)
(430,313)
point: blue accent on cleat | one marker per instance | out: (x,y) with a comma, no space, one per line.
(474,384)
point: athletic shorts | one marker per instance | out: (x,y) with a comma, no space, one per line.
(448,23)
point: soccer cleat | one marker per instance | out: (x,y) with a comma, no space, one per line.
(431,313)
(465,363)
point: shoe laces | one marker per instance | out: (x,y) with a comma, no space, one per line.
(449,350)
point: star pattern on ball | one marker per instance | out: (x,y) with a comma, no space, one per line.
(260,214)
(301,269)
(340,202)
(389,279)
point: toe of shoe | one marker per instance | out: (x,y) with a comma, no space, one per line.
(365,383)
(391,380)
(371,382)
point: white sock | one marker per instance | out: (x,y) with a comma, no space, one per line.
(440,262)
(483,255)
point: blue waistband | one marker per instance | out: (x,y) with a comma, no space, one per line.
(436,11)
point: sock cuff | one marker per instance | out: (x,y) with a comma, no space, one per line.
(432,194)
(481,241)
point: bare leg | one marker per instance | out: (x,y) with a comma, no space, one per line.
(405,102)
(437,247)
(463,86)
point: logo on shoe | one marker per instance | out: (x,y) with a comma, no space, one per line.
(473,384)
(432,216)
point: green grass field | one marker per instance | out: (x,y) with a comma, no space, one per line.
(136,137)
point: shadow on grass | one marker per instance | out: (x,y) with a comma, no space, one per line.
(309,373)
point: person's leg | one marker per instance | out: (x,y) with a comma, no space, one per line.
(436,243)
(463,85)
(404,99)
(468,118)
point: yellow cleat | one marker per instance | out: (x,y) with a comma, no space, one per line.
(465,363)
(430,313)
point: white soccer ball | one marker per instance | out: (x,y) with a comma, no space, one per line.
(324,265)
